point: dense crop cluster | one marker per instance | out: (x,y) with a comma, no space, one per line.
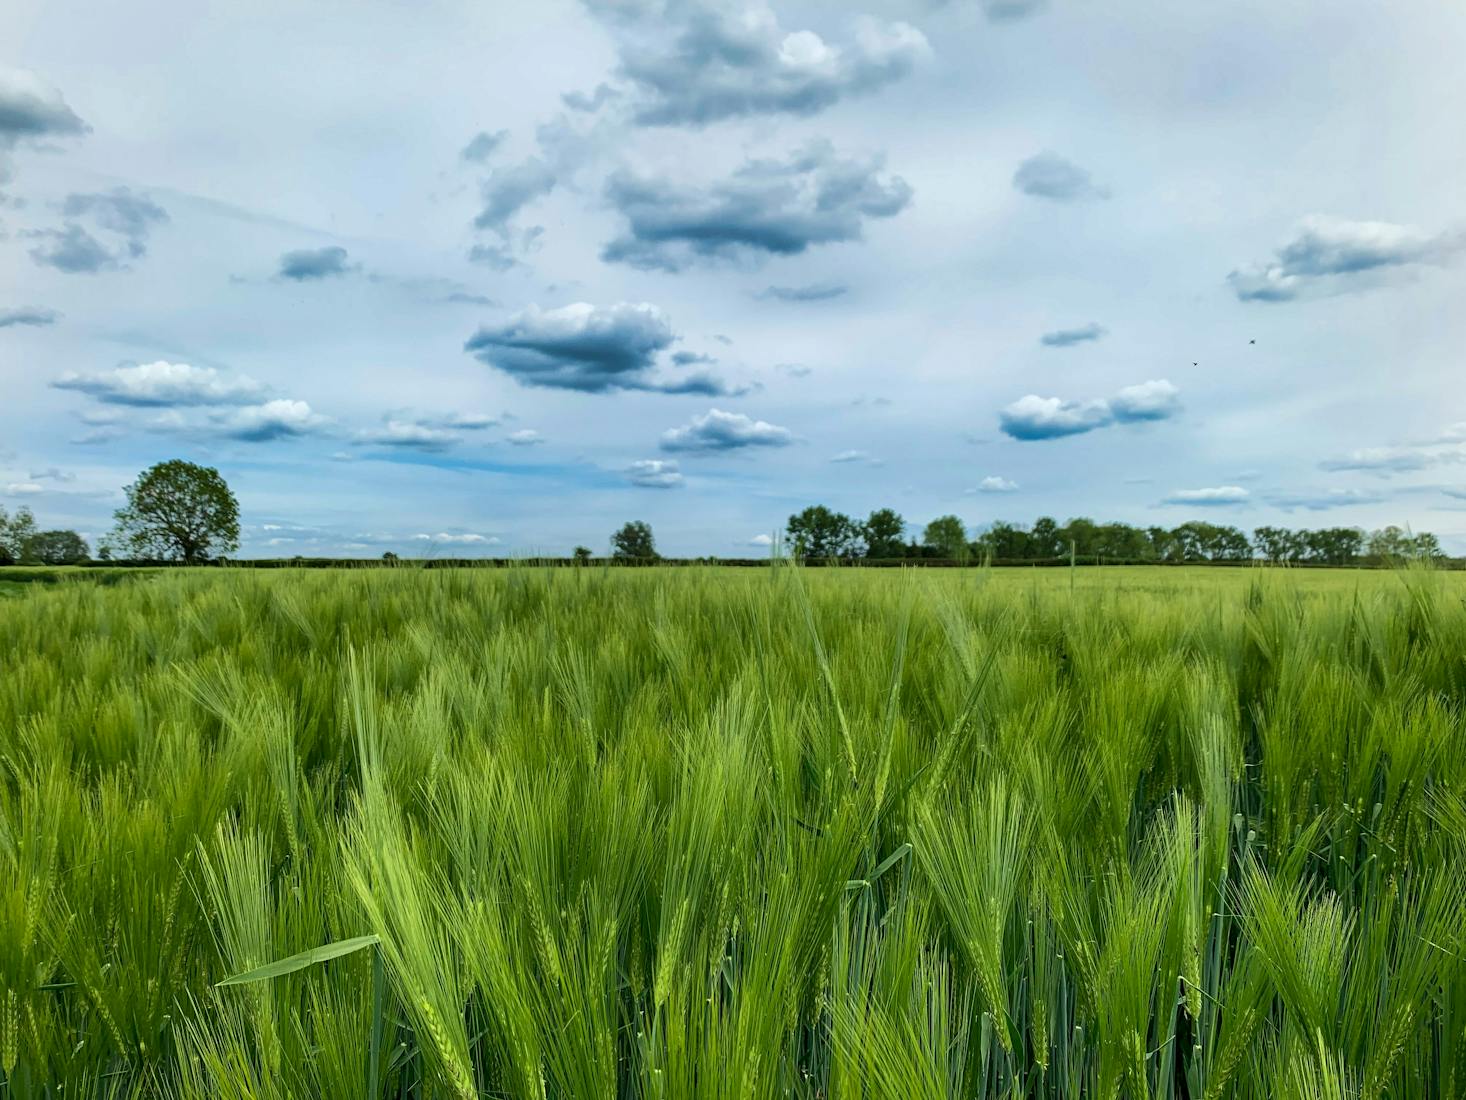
(710,833)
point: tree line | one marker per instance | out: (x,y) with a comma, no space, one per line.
(819,532)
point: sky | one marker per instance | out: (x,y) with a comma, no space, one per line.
(464,278)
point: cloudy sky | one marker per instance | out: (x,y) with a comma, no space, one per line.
(469,278)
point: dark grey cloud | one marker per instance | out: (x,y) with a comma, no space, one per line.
(1068,337)
(508,190)
(131,216)
(593,349)
(580,101)
(126,217)
(28,315)
(1033,418)
(1333,254)
(814,292)
(163,385)
(31,110)
(766,208)
(655,473)
(74,251)
(308,264)
(1004,11)
(697,62)
(483,145)
(499,257)
(1050,176)
(717,431)
(1324,500)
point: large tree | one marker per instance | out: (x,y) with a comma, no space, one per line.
(634,540)
(883,532)
(16,535)
(818,532)
(947,536)
(58,548)
(178,511)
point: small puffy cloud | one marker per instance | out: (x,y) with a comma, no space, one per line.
(32,110)
(717,431)
(163,384)
(1050,176)
(278,419)
(1154,400)
(408,435)
(1034,418)
(765,208)
(28,315)
(850,456)
(593,349)
(1068,337)
(525,437)
(1216,496)
(761,540)
(483,145)
(1333,254)
(699,62)
(655,473)
(429,433)
(815,292)
(23,489)
(995,484)
(309,264)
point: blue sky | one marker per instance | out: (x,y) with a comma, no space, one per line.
(467,278)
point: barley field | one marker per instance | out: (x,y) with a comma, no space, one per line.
(703,833)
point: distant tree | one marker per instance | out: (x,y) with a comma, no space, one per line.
(1006,541)
(1391,545)
(104,551)
(947,536)
(883,531)
(634,540)
(1081,534)
(1275,544)
(818,532)
(57,548)
(389,557)
(179,511)
(1043,539)
(583,555)
(1427,547)
(1334,545)
(16,533)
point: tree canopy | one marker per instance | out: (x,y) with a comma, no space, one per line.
(634,540)
(178,511)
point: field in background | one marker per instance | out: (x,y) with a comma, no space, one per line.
(734,833)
